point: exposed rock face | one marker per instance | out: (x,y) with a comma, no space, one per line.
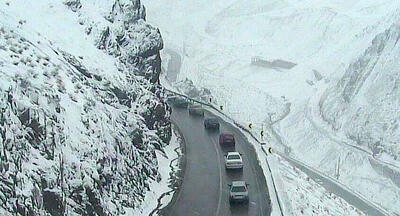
(137,45)
(123,38)
(74,5)
(72,140)
(53,202)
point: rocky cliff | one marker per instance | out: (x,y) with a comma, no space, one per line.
(80,121)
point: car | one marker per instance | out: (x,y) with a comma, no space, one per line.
(196,109)
(233,160)
(238,192)
(177,101)
(211,123)
(227,139)
(172,99)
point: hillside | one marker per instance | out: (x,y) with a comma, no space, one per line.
(82,113)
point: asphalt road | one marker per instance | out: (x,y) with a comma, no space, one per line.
(363,205)
(204,190)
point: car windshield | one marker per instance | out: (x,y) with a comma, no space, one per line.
(239,189)
(233,157)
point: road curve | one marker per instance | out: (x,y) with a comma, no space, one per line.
(204,190)
(363,205)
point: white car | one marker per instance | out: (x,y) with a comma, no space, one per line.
(233,160)
(238,192)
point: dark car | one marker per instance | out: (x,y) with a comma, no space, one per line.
(196,109)
(211,123)
(177,101)
(226,139)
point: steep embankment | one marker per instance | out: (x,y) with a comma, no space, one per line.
(81,111)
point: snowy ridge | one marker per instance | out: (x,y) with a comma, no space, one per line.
(79,129)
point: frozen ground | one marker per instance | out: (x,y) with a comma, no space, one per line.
(338,104)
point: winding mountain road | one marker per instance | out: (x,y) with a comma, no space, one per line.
(205,190)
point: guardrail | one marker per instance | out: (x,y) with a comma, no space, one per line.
(239,126)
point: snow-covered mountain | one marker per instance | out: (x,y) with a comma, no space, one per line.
(82,113)
(336,110)
(364,103)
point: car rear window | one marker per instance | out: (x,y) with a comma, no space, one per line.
(238,189)
(233,157)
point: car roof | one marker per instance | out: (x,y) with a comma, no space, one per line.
(238,183)
(226,134)
(233,153)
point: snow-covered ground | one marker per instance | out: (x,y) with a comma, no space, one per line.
(342,94)
(83,126)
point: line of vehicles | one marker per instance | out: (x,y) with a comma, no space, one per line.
(238,190)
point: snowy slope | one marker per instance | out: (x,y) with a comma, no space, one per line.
(365,101)
(83,124)
(299,186)
(339,47)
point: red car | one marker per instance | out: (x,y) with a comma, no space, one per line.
(226,139)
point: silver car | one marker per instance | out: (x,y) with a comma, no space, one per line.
(238,192)
(196,109)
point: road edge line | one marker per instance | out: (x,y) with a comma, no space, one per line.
(220,177)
